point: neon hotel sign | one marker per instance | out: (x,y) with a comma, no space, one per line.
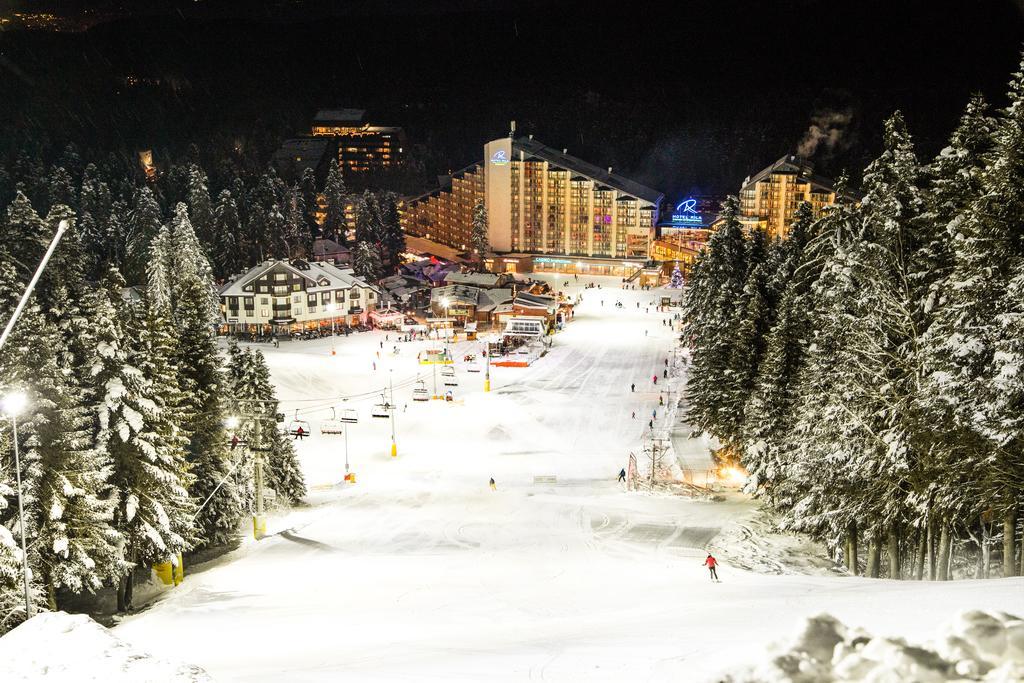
(686,213)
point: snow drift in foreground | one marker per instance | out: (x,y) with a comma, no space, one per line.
(976,646)
(72,647)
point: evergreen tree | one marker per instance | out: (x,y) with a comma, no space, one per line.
(200,206)
(710,318)
(366,262)
(144,221)
(229,256)
(335,198)
(145,475)
(676,281)
(252,396)
(479,235)
(392,237)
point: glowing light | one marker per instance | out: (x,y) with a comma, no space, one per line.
(735,476)
(686,213)
(14,403)
(499,158)
(231,422)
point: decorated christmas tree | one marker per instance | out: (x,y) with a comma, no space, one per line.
(677,278)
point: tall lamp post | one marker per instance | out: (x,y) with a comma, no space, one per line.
(391,383)
(445,301)
(13,404)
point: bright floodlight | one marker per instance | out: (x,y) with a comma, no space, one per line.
(331,307)
(14,403)
(445,302)
(231,422)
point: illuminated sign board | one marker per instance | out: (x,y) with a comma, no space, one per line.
(499,158)
(686,213)
(551,260)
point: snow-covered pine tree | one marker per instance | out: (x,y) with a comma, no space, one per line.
(180,282)
(229,254)
(61,189)
(252,397)
(27,235)
(392,237)
(368,219)
(298,240)
(95,205)
(710,318)
(768,415)
(71,542)
(676,281)
(144,221)
(144,474)
(335,197)
(479,235)
(202,383)
(200,206)
(366,262)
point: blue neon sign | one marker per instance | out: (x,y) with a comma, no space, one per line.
(499,158)
(686,213)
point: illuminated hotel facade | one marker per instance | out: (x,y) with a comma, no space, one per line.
(768,200)
(547,211)
(362,147)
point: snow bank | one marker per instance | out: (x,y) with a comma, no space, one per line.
(59,647)
(976,646)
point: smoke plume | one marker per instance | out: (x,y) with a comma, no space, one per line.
(827,129)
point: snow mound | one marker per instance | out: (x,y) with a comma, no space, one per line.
(59,647)
(975,646)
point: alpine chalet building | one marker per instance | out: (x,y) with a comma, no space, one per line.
(547,211)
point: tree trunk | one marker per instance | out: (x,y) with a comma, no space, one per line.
(894,552)
(1009,529)
(121,605)
(853,549)
(931,551)
(985,561)
(944,550)
(922,550)
(125,591)
(51,594)
(874,553)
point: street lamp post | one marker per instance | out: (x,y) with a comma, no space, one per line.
(13,404)
(487,375)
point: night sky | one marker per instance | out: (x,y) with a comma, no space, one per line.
(685,96)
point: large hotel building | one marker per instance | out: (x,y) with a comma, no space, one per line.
(547,211)
(769,199)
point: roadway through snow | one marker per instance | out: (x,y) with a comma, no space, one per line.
(419,572)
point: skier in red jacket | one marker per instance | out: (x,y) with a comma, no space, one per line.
(711,563)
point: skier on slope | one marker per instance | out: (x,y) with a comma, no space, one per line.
(632,387)
(494,487)
(654,378)
(711,563)
(622,474)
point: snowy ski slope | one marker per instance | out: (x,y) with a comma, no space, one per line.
(419,572)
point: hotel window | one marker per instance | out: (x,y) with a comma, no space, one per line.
(264,313)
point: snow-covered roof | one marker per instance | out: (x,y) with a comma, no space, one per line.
(490,298)
(463,294)
(318,274)
(476,279)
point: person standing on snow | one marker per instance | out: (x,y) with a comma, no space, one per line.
(654,378)
(711,563)
(494,487)
(632,387)
(622,474)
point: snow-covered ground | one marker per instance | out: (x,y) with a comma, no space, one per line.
(420,572)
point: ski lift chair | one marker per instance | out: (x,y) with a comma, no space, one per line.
(420,393)
(381,410)
(298,428)
(332,426)
(349,416)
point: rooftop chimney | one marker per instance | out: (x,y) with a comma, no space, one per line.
(609,170)
(513,131)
